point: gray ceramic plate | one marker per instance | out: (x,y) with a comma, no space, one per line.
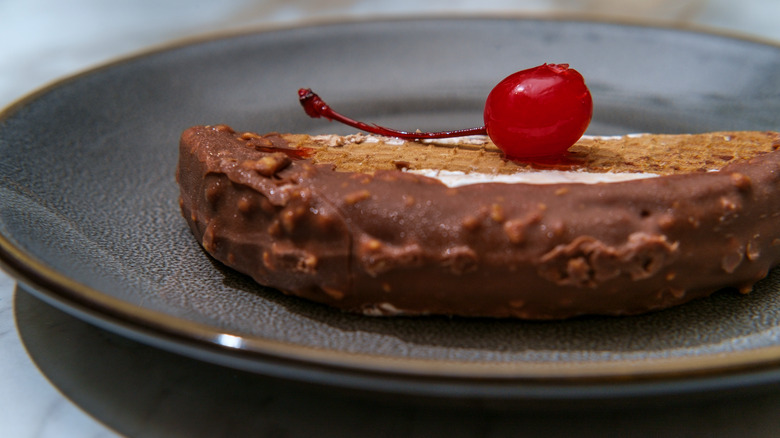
(89,217)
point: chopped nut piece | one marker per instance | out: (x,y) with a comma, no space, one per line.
(269,165)
(470,223)
(355,197)
(259,143)
(334,293)
(497,213)
(515,230)
(307,263)
(372,245)
(244,205)
(741,181)
(267,261)
(752,251)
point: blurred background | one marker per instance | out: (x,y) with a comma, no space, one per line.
(45,39)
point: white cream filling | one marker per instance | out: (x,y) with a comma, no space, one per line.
(457,179)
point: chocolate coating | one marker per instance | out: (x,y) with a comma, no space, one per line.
(398,243)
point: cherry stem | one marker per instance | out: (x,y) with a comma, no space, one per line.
(315,107)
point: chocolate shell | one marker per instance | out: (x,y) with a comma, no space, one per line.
(390,242)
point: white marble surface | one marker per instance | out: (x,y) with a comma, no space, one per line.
(44,40)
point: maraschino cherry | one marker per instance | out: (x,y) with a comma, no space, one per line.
(538,112)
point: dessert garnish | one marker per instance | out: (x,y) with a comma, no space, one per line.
(537,112)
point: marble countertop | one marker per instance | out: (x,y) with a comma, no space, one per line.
(47,389)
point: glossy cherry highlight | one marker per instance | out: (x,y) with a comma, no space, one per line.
(536,112)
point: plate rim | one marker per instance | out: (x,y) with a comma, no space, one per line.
(755,367)
(50,284)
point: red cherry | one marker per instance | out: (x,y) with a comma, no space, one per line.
(538,112)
